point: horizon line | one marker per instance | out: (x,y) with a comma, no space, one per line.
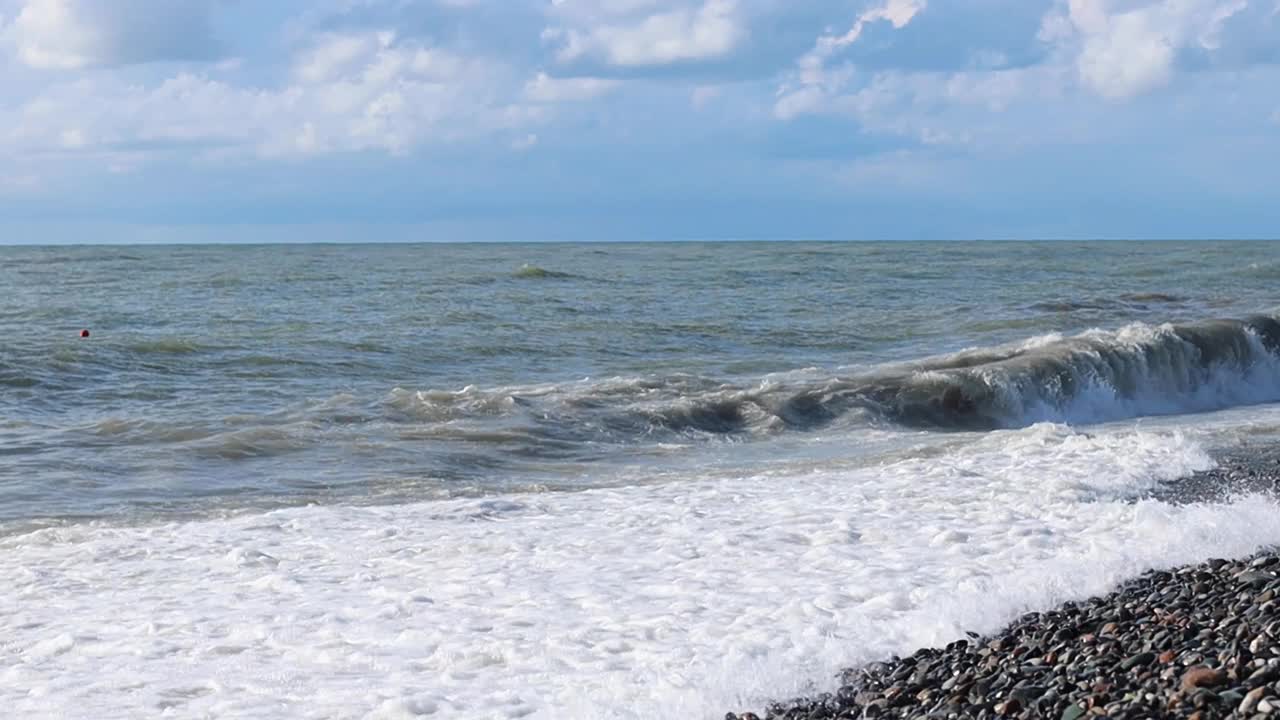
(704,241)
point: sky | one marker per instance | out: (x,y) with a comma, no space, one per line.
(434,120)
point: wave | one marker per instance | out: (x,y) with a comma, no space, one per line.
(1057,306)
(247,443)
(1137,300)
(1139,370)
(1152,297)
(16,379)
(533,272)
(1097,376)
(167,346)
(1263,270)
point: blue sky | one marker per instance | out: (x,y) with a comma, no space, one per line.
(224,120)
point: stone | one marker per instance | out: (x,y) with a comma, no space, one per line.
(1145,658)
(1263,675)
(1204,698)
(1009,707)
(1251,700)
(1200,677)
(875,709)
(1027,695)
(1231,698)
(1255,578)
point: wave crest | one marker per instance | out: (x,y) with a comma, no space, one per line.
(1096,376)
(533,272)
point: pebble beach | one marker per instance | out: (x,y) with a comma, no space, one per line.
(1200,641)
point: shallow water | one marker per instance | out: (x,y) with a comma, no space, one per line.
(593,480)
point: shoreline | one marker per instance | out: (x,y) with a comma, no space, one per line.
(1198,641)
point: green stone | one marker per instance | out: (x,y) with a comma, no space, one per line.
(1073,712)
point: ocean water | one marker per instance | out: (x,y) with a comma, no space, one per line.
(597,480)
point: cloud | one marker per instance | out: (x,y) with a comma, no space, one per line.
(334,55)
(1113,49)
(508,29)
(348,93)
(812,83)
(353,101)
(897,12)
(1125,49)
(546,89)
(951,35)
(635,33)
(74,34)
(978,108)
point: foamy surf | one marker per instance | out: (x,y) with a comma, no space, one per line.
(679,599)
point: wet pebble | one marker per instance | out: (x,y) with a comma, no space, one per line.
(1201,641)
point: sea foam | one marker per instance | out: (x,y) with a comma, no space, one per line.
(682,599)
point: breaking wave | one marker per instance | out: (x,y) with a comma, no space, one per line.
(533,272)
(1097,376)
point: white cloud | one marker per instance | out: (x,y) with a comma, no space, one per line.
(335,55)
(635,33)
(49,36)
(546,89)
(349,93)
(73,34)
(72,139)
(814,83)
(1115,49)
(1124,49)
(385,88)
(897,12)
(990,108)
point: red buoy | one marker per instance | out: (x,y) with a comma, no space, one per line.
(84,333)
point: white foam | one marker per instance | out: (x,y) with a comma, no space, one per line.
(683,599)
(1164,384)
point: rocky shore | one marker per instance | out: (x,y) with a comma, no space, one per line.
(1254,469)
(1202,641)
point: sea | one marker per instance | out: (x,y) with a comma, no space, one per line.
(594,480)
